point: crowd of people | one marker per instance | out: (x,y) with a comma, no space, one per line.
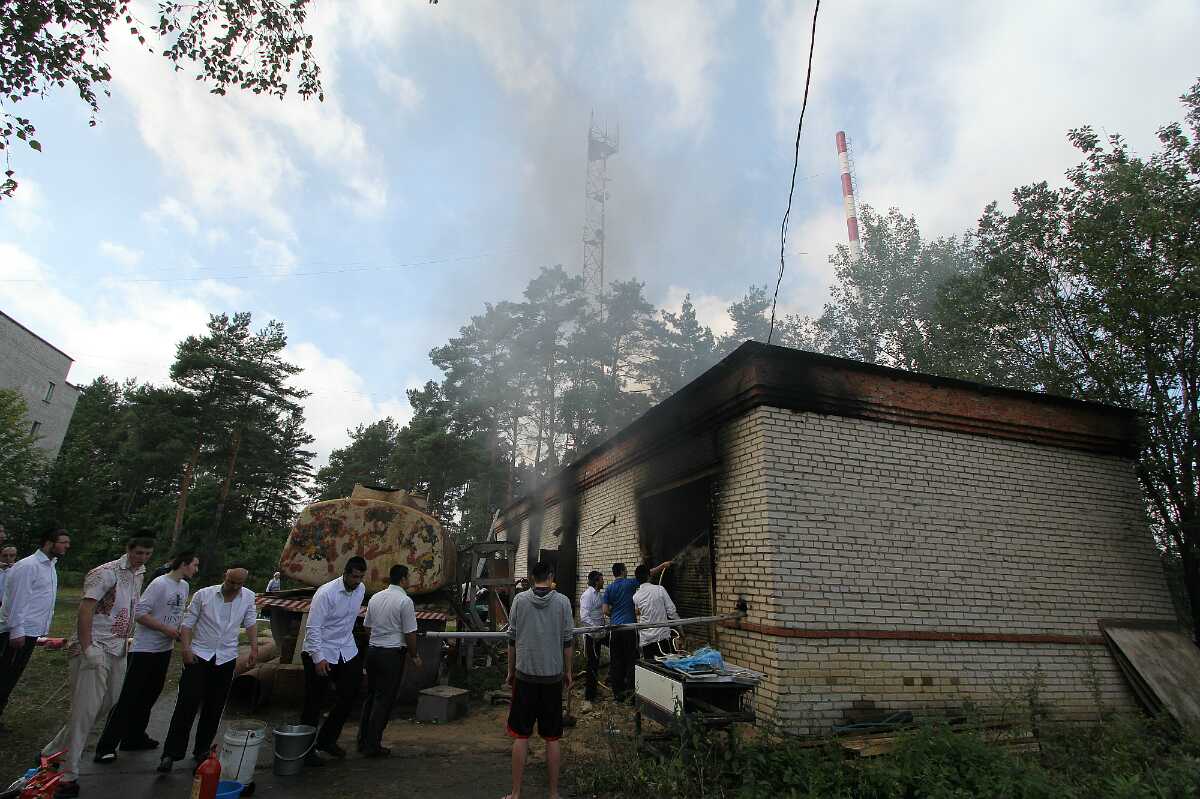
(120,650)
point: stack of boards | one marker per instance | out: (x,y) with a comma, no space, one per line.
(1161,663)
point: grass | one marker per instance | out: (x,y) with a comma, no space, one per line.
(1124,757)
(42,699)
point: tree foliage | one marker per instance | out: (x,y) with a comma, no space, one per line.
(20,460)
(254,45)
(223,450)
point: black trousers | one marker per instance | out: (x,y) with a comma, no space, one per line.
(623,654)
(144,679)
(12,664)
(591,648)
(346,678)
(385,671)
(204,686)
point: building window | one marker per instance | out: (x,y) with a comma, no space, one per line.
(33,431)
(49,392)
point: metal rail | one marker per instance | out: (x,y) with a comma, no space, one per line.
(645,625)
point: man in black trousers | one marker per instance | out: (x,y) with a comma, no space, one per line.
(159,613)
(210,639)
(331,656)
(392,620)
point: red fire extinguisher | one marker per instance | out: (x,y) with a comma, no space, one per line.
(208,774)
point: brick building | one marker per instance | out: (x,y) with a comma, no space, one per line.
(904,542)
(38,370)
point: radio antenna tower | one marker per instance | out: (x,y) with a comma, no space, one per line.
(601,146)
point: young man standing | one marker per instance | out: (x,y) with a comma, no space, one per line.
(591,614)
(331,656)
(159,613)
(209,636)
(392,620)
(97,651)
(30,588)
(623,644)
(652,603)
(274,583)
(540,647)
(8,556)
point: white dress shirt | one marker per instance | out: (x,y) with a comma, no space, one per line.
(214,626)
(329,635)
(653,603)
(591,608)
(29,594)
(391,615)
(272,585)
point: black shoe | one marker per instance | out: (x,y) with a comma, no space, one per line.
(314,760)
(333,750)
(105,757)
(165,764)
(381,751)
(67,789)
(140,746)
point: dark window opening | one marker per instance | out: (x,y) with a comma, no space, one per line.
(676,524)
(34,428)
(49,393)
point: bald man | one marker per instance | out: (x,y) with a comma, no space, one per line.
(210,639)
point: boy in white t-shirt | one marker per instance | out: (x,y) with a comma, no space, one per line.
(158,614)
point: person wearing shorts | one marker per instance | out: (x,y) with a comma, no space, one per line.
(540,650)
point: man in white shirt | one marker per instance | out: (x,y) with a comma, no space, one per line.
(331,656)
(392,619)
(30,588)
(274,583)
(158,613)
(591,614)
(209,638)
(97,651)
(8,556)
(652,603)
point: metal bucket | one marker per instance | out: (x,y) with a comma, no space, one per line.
(293,742)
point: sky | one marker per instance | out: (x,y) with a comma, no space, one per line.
(447,165)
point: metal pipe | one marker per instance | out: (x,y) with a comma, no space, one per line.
(645,625)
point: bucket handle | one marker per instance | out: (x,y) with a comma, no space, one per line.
(311,746)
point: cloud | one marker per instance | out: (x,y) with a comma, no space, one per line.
(25,212)
(711,310)
(272,257)
(951,107)
(243,152)
(130,330)
(341,399)
(678,44)
(125,256)
(172,210)
(401,88)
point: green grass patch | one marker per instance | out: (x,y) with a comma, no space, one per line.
(1121,758)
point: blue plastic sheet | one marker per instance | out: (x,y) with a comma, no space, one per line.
(703,659)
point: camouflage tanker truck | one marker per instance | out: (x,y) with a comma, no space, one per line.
(385,527)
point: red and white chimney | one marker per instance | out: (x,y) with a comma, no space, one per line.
(848,196)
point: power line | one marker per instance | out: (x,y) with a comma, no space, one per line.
(812,43)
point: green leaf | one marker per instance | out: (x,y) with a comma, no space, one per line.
(35,144)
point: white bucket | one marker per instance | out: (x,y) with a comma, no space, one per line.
(239,749)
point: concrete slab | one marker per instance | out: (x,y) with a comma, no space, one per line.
(442,704)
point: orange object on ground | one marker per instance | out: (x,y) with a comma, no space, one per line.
(208,774)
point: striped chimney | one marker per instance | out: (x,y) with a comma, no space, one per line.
(848,196)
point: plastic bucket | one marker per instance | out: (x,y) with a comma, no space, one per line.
(293,742)
(228,789)
(239,750)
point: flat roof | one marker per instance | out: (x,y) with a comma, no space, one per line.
(35,335)
(757,374)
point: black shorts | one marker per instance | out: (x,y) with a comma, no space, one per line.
(536,702)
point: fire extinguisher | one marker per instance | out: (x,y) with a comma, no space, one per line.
(208,774)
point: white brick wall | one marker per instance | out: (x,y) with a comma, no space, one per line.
(834,523)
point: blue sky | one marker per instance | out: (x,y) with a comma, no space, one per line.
(447,165)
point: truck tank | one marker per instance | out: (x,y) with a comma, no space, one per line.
(383,526)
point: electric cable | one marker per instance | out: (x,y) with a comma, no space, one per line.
(795,165)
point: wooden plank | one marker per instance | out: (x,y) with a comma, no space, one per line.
(1166,663)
